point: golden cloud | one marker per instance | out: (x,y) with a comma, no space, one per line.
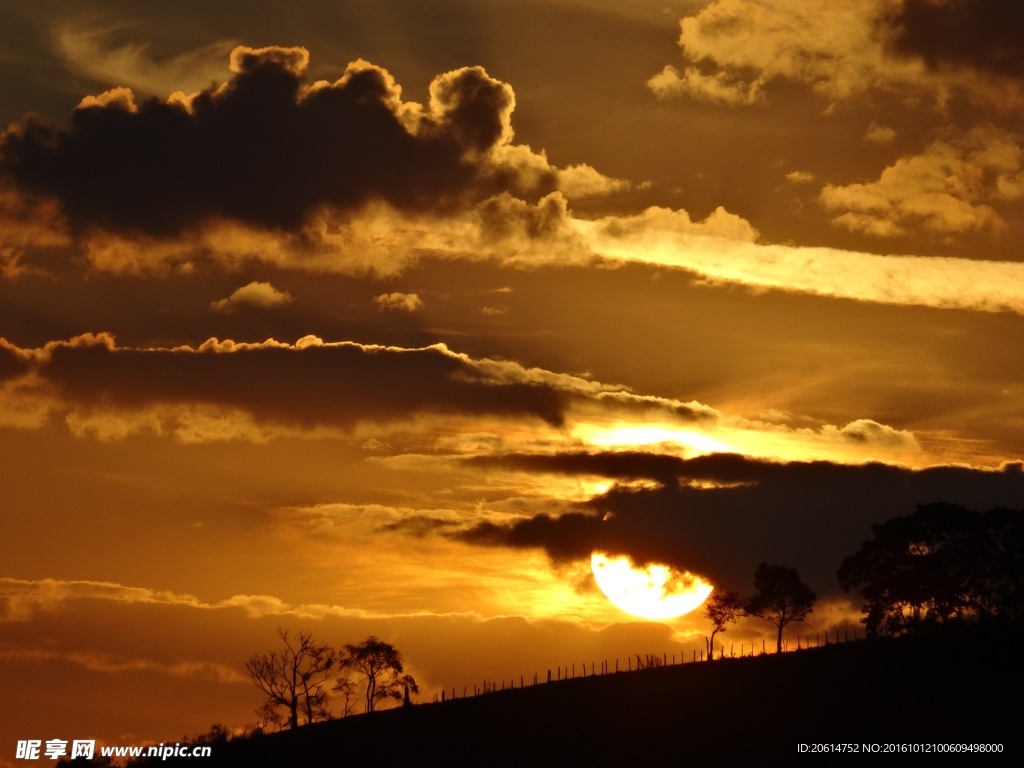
(948,189)
(734,49)
(254,294)
(940,282)
(323,170)
(403,302)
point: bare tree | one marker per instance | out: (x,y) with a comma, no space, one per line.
(720,609)
(294,676)
(780,597)
(346,688)
(380,665)
(268,716)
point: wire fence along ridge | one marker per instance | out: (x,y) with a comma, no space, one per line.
(638,661)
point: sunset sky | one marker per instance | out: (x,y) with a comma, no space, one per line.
(379,317)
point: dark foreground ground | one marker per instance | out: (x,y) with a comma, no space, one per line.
(959,687)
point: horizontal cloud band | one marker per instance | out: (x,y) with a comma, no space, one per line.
(720,515)
(946,283)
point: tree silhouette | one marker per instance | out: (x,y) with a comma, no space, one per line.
(380,666)
(720,609)
(941,564)
(780,597)
(345,689)
(267,716)
(293,677)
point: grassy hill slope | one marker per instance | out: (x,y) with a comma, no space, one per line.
(937,689)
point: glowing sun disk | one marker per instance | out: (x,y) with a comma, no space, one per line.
(655,592)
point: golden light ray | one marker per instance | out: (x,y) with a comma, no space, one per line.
(626,436)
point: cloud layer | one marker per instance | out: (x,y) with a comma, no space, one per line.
(960,34)
(270,152)
(718,516)
(950,188)
(313,383)
(941,282)
(735,49)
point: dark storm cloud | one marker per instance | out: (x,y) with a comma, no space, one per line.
(13,362)
(727,513)
(984,35)
(307,384)
(268,150)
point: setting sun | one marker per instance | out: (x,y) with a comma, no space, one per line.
(655,592)
(415,321)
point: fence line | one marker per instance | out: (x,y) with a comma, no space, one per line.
(652,661)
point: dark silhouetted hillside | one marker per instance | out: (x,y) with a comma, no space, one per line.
(949,687)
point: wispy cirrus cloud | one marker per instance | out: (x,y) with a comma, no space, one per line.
(89,50)
(116,665)
(21,599)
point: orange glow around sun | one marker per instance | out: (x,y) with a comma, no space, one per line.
(654,592)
